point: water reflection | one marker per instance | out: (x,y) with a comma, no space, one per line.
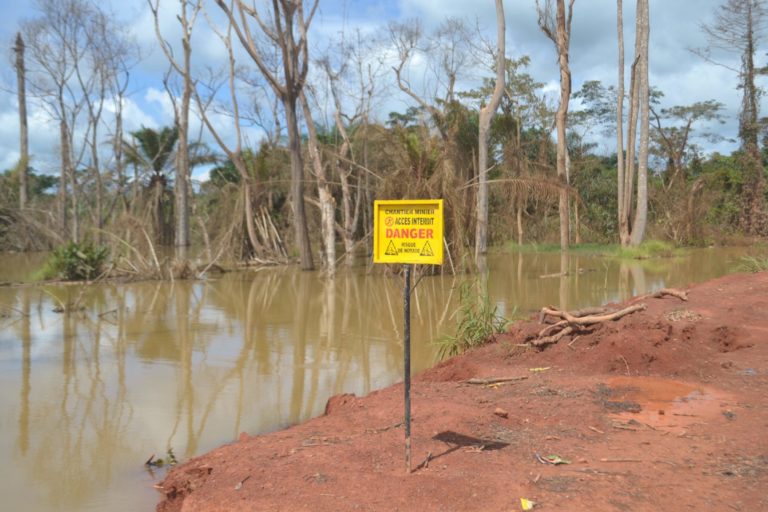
(135,369)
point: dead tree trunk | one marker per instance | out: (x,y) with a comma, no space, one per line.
(558,29)
(486,116)
(23,126)
(325,197)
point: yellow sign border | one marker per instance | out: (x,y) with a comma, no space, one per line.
(380,242)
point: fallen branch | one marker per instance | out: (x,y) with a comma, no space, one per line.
(680,294)
(493,380)
(576,320)
(548,340)
(568,318)
(550,310)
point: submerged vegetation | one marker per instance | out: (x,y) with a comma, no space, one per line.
(75,262)
(647,249)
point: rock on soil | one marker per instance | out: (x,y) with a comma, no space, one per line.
(664,409)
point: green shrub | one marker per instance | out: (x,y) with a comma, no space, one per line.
(75,262)
(477,322)
(753,264)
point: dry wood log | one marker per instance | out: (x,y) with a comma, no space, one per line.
(548,340)
(494,380)
(594,319)
(551,311)
(680,294)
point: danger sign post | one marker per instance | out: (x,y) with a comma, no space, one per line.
(408,231)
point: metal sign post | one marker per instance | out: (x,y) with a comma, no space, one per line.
(408,232)
(407,364)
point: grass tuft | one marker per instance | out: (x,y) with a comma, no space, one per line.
(477,322)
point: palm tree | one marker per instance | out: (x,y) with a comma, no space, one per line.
(152,153)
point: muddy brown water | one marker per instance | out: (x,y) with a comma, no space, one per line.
(88,396)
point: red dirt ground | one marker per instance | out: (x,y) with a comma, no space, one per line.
(686,430)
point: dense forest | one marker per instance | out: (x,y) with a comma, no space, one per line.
(513,164)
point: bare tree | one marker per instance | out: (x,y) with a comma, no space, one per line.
(23,125)
(57,39)
(325,197)
(286,27)
(555,22)
(739,28)
(486,116)
(353,64)
(182,191)
(674,130)
(234,153)
(631,232)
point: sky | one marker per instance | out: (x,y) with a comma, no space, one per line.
(675,29)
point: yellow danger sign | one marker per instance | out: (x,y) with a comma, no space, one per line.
(408,231)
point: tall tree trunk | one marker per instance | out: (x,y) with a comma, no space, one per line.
(638,110)
(559,31)
(297,184)
(286,18)
(623,225)
(486,116)
(561,117)
(327,203)
(65,164)
(182,188)
(753,188)
(23,126)
(642,34)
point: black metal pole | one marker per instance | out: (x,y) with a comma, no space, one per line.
(407,364)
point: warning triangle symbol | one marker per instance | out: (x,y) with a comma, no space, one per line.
(426,250)
(391,249)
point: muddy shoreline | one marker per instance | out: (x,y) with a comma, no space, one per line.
(662,408)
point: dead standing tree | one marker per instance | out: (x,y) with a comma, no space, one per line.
(739,28)
(286,18)
(325,196)
(354,63)
(187,18)
(23,126)
(260,248)
(632,232)
(61,36)
(486,116)
(557,27)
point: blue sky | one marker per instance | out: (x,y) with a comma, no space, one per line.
(675,27)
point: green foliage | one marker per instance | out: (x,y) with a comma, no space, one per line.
(153,149)
(724,182)
(477,322)
(75,262)
(753,264)
(648,249)
(595,179)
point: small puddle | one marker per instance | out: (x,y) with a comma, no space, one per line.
(662,403)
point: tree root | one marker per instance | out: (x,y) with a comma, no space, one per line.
(576,320)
